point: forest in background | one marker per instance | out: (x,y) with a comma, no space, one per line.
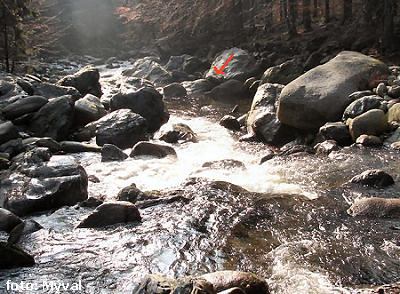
(283,28)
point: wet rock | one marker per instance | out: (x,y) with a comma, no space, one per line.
(112,153)
(230,122)
(373,122)
(394,91)
(248,282)
(326,147)
(91,202)
(9,88)
(360,94)
(293,148)
(361,106)
(174,90)
(153,150)
(373,178)
(376,207)
(54,119)
(24,106)
(233,291)
(78,147)
(149,68)
(230,91)
(122,128)
(47,142)
(394,113)
(269,154)
(51,91)
(111,213)
(177,133)
(262,120)
(337,131)
(242,66)
(283,74)
(12,147)
(395,146)
(131,194)
(147,102)
(12,257)
(4,163)
(200,86)
(381,90)
(367,140)
(88,109)
(321,94)
(8,220)
(224,164)
(39,185)
(23,229)
(8,132)
(86,81)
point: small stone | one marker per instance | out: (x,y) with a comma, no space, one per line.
(111,152)
(369,140)
(230,122)
(381,89)
(326,147)
(373,178)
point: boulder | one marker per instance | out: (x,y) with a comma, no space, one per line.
(367,140)
(23,229)
(147,102)
(282,74)
(230,91)
(321,94)
(8,132)
(262,119)
(230,122)
(54,119)
(51,91)
(326,147)
(177,133)
(131,194)
(242,66)
(376,207)
(112,153)
(122,128)
(88,109)
(86,81)
(174,90)
(8,220)
(149,68)
(40,186)
(361,106)
(200,86)
(24,106)
(78,147)
(9,88)
(373,122)
(224,280)
(336,131)
(153,150)
(373,178)
(12,256)
(394,113)
(111,213)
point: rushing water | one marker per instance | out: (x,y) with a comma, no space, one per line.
(290,226)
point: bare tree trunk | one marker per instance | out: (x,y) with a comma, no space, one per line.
(283,10)
(6,44)
(291,17)
(347,10)
(388,25)
(315,8)
(327,11)
(307,15)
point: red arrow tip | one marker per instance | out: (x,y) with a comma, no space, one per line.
(220,71)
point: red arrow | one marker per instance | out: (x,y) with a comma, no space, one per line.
(220,71)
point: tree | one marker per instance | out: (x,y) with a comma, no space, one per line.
(388,24)
(12,12)
(307,15)
(291,17)
(327,11)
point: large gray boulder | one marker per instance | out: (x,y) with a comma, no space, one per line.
(24,106)
(321,94)
(122,128)
(86,81)
(88,109)
(111,213)
(150,69)
(230,91)
(147,102)
(51,91)
(54,119)
(41,185)
(262,120)
(242,66)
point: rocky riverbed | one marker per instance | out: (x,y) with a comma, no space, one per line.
(139,175)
